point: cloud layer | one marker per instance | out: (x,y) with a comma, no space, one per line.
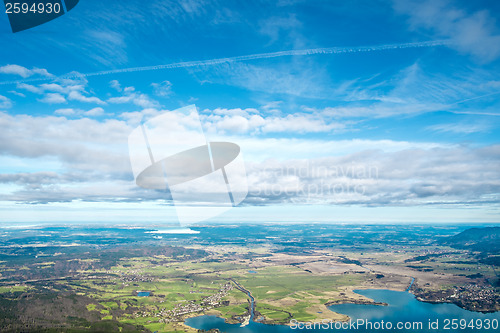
(94,165)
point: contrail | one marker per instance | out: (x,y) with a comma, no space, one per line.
(212,62)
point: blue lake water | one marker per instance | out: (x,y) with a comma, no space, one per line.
(403,308)
(143,293)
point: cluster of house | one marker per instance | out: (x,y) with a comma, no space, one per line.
(193,306)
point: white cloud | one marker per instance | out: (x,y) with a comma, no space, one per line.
(233,112)
(5,103)
(237,123)
(65,112)
(474,33)
(144,101)
(410,177)
(78,96)
(115,84)
(136,98)
(41,71)
(53,98)
(95,112)
(162,89)
(62,89)
(95,165)
(81,144)
(23,71)
(54,87)
(253,121)
(17,93)
(16,70)
(30,88)
(136,117)
(272,107)
(120,100)
(282,149)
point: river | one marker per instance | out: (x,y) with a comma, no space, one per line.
(402,309)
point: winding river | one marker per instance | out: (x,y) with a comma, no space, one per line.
(252,304)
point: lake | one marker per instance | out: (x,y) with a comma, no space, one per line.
(403,309)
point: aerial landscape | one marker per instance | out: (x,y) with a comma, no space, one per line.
(261,166)
(141,279)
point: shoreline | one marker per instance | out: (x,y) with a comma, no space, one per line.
(233,321)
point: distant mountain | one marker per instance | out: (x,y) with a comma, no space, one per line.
(485,240)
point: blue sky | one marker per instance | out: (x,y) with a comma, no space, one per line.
(406,129)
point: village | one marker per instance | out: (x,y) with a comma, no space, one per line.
(184,308)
